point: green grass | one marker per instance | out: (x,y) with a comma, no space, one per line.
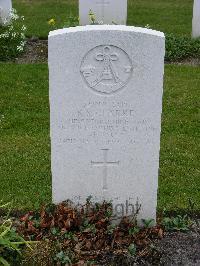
(171,16)
(180,145)
(24,130)
(25,146)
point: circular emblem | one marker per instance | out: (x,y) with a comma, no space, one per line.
(106,68)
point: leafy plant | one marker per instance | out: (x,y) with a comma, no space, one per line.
(178,48)
(55,231)
(87,227)
(178,223)
(132,249)
(111,228)
(69,235)
(11,242)
(63,258)
(71,21)
(12,37)
(147,223)
(134,230)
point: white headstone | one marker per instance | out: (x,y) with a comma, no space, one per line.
(196,19)
(5,9)
(106,85)
(105,11)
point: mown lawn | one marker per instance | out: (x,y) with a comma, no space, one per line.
(171,16)
(25,175)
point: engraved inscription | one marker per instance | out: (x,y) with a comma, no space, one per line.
(105,163)
(103,123)
(106,69)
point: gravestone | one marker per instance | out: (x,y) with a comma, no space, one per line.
(196,19)
(5,9)
(106,86)
(105,11)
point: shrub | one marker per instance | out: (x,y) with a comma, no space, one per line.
(12,37)
(178,48)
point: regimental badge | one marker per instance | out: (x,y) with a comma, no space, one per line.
(106,69)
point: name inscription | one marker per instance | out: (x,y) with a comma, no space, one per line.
(104,123)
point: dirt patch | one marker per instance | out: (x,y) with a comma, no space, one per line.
(36,51)
(188,61)
(179,249)
(175,248)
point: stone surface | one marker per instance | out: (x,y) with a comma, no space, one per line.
(5,8)
(106,86)
(106,11)
(196,19)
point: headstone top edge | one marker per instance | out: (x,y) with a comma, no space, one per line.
(106,28)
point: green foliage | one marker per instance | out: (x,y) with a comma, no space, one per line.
(87,227)
(69,235)
(178,47)
(132,249)
(147,223)
(55,231)
(71,21)
(110,229)
(12,37)
(64,258)
(178,223)
(11,243)
(134,230)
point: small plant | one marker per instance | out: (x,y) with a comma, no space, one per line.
(147,223)
(71,21)
(110,229)
(12,37)
(178,223)
(52,22)
(92,17)
(11,242)
(134,230)
(55,231)
(69,236)
(64,258)
(87,227)
(132,249)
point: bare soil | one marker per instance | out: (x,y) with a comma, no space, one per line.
(36,51)
(176,248)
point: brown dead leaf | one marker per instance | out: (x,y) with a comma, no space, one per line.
(88,244)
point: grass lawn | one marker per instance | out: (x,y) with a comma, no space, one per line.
(172,16)
(25,146)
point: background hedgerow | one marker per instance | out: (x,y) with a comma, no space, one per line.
(181,47)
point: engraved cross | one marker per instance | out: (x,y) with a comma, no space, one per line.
(102,4)
(105,163)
